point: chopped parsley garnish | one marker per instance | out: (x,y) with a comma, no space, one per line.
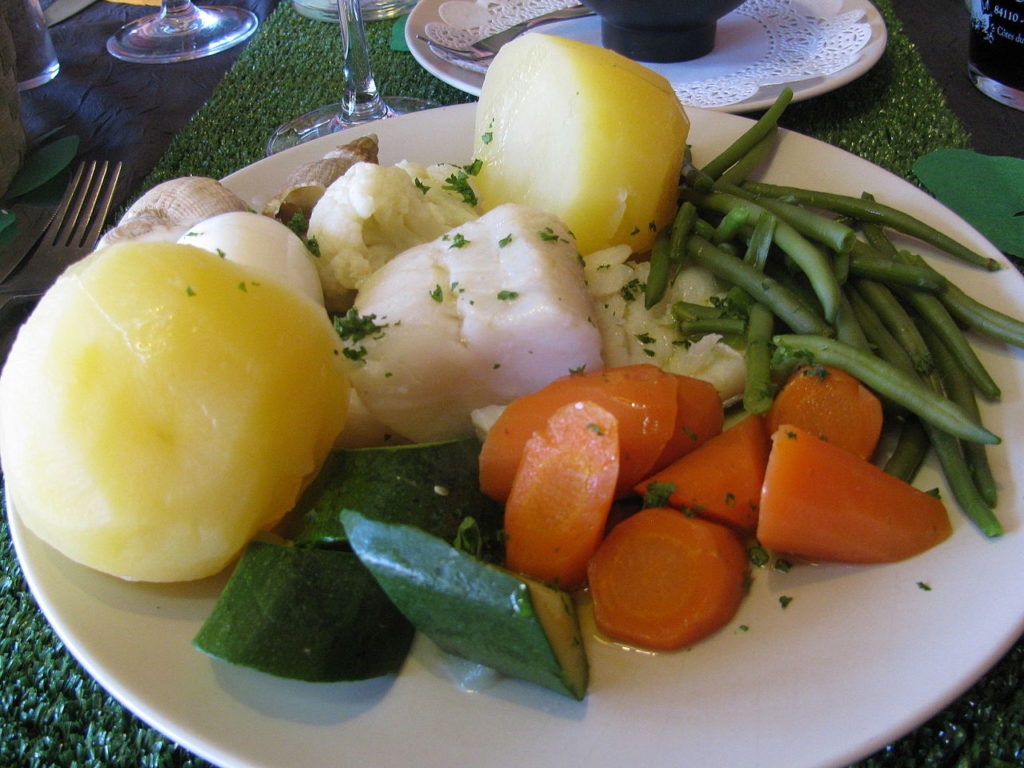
(313,246)
(548,234)
(459,241)
(578,371)
(220,252)
(508,295)
(298,224)
(758,555)
(189,291)
(487,137)
(645,338)
(925,586)
(468,537)
(630,290)
(437,294)
(505,240)
(354,328)
(421,186)
(459,183)
(596,429)
(658,494)
(785,600)
(474,168)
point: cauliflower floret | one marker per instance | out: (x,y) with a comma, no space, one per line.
(374,212)
(495,309)
(632,334)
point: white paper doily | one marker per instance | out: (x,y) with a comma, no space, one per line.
(810,45)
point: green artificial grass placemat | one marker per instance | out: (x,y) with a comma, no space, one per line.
(53,714)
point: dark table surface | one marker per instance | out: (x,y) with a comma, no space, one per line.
(126,110)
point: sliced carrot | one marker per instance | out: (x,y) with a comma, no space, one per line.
(643,399)
(832,404)
(699,417)
(822,502)
(721,480)
(663,581)
(556,513)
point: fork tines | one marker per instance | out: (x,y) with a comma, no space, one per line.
(83,210)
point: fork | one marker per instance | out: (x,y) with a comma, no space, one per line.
(71,234)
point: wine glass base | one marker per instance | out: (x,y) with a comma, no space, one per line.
(161,39)
(327,119)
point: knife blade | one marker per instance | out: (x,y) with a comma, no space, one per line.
(59,10)
(494,43)
(30,221)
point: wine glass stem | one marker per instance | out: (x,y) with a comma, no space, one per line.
(177,13)
(361,100)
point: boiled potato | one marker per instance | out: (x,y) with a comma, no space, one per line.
(162,405)
(584,133)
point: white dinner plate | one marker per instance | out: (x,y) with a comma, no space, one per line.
(860,655)
(752,62)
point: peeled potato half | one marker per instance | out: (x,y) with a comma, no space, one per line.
(583,133)
(162,405)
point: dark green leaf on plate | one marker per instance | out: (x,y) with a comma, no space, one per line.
(43,164)
(986,190)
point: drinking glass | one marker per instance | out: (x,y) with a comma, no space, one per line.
(996,51)
(360,102)
(327,10)
(182,31)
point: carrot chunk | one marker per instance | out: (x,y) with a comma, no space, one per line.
(663,581)
(563,490)
(824,503)
(699,417)
(721,480)
(832,404)
(643,398)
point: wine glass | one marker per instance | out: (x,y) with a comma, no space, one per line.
(360,102)
(182,31)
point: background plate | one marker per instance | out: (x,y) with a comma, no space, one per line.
(732,54)
(860,656)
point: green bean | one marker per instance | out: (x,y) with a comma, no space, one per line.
(682,225)
(730,224)
(760,241)
(660,269)
(746,142)
(937,319)
(875,233)
(910,450)
(777,297)
(758,392)
(743,167)
(889,380)
(958,476)
(841,267)
(958,387)
(899,323)
(878,335)
(897,273)
(724,326)
(848,328)
(686,311)
(974,314)
(700,227)
(807,256)
(829,232)
(877,213)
